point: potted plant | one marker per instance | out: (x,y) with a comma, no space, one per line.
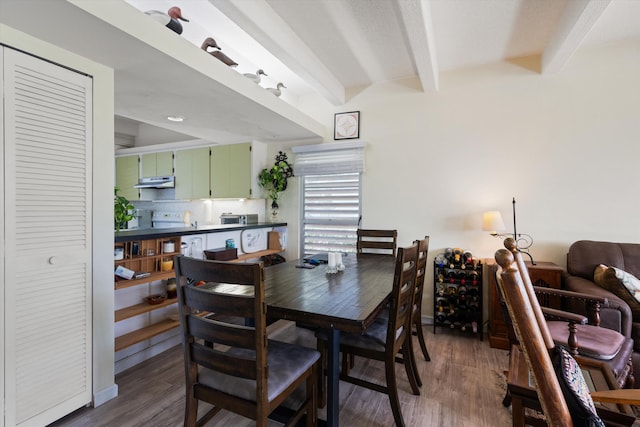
(122,210)
(274,180)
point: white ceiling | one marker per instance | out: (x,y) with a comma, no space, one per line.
(336,48)
(339,47)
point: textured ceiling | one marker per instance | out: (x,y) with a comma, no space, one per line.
(332,46)
(335,48)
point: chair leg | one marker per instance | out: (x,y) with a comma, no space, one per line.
(312,390)
(321,346)
(348,362)
(190,410)
(413,365)
(420,335)
(392,390)
(410,367)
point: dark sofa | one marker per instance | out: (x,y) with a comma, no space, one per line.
(582,259)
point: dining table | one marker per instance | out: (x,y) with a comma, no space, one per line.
(346,301)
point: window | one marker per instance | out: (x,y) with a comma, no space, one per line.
(331,212)
(331,185)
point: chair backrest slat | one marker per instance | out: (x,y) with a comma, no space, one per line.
(243,365)
(401,306)
(382,242)
(224,333)
(234,305)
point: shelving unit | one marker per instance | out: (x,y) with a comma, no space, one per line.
(457,302)
(144,256)
(127,340)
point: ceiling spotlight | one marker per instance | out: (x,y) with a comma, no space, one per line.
(175,118)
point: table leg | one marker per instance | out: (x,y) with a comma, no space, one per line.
(333,377)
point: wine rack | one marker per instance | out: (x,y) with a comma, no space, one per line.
(458,292)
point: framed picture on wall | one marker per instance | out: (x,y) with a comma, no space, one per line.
(346,125)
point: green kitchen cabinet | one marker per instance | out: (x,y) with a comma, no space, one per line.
(192,173)
(157,164)
(231,171)
(127,175)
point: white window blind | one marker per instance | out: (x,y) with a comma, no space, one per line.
(331,212)
(331,186)
(329,158)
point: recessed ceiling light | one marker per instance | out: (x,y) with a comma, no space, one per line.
(175,118)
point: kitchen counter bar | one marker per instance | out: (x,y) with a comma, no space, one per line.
(157,233)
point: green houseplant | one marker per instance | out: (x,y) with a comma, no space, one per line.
(122,210)
(274,179)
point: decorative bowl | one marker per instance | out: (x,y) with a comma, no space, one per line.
(156,299)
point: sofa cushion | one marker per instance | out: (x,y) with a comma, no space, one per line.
(622,284)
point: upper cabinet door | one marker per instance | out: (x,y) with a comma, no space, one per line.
(47,171)
(157,164)
(164,163)
(192,173)
(231,171)
(147,165)
(127,176)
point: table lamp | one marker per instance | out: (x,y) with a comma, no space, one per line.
(493,223)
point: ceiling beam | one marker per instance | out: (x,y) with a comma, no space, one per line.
(578,19)
(262,23)
(416,16)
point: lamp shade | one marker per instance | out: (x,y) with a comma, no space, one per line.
(492,222)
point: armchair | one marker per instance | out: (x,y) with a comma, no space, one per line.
(581,333)
(561,391)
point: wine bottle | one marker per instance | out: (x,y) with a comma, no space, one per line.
(457,256)
(472,276)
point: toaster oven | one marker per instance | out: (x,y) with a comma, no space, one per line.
(228,218)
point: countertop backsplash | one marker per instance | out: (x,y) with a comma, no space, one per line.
(207,212)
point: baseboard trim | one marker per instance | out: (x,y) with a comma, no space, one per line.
(105,395)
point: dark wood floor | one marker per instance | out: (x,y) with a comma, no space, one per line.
(463,386)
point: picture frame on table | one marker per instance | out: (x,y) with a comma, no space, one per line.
(346,125)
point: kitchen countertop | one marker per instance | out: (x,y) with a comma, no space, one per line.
(158,233)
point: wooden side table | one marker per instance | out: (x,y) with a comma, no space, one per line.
(546,274)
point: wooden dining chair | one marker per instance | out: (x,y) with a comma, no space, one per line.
(561,388)
(421,273)
(387,337)
(234,366)
(416,319)
(372,242)
(379,242)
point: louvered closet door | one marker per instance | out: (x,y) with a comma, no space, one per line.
(47,167)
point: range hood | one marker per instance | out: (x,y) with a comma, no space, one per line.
(156,182)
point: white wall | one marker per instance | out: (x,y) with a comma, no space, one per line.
(103,179)
(565,146)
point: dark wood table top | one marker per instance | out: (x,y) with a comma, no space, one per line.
(348,300)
